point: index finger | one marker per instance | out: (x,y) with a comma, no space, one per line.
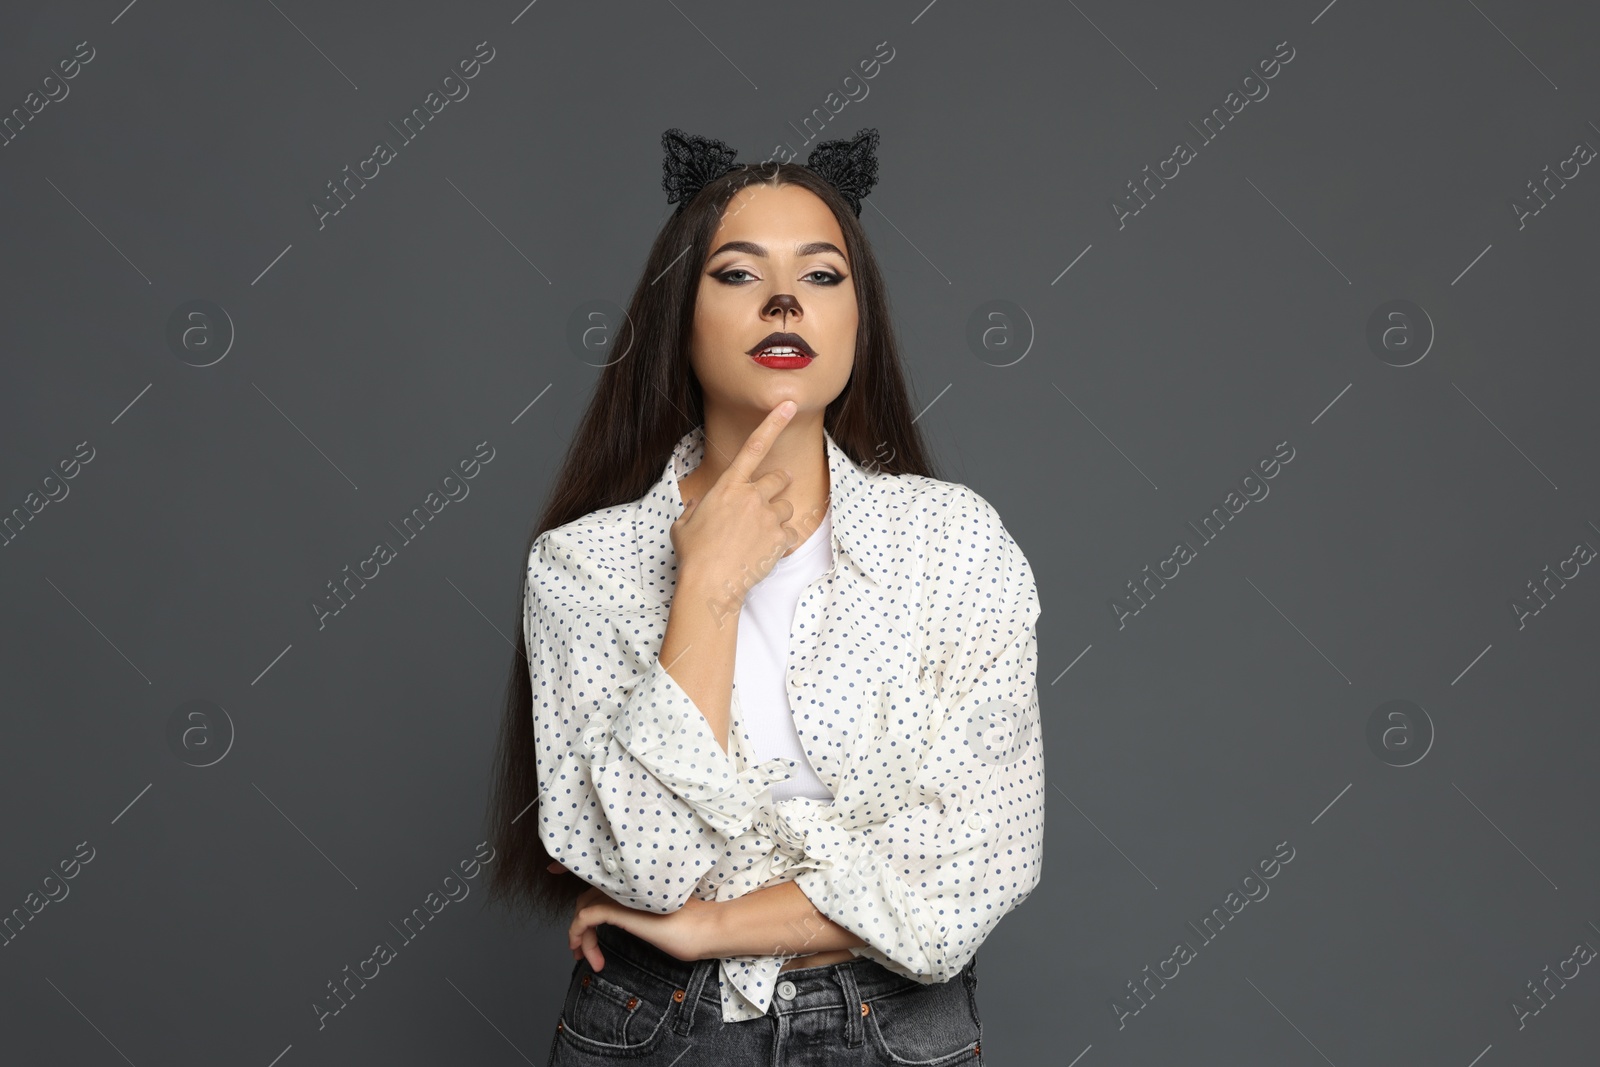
(759,443)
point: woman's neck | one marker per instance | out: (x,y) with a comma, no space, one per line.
(800,449)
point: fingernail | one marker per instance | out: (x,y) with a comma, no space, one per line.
(788,407)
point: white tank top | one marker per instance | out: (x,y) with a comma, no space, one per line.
(762,655)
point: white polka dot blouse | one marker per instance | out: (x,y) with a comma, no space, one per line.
(911,676)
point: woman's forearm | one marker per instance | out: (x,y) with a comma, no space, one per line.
(778,920)
(698,648)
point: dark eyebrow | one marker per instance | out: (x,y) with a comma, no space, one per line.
(754,249)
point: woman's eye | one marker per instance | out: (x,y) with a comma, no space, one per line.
(818,276)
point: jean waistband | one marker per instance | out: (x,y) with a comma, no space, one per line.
(847,982)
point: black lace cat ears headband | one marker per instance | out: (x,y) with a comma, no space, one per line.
(691,162)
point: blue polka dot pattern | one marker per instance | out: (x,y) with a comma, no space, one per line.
(903,656)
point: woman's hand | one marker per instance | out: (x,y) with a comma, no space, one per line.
(736,531)
(684,934)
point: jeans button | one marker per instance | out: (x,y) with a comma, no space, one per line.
(786,990)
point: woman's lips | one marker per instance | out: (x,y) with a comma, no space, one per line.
(779,358)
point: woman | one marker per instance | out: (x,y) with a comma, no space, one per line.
(771,746)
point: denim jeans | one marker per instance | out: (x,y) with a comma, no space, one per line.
(651,1009)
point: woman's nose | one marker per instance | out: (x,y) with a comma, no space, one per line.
(783,302)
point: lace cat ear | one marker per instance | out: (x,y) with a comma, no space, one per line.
(690,161)
(849,165)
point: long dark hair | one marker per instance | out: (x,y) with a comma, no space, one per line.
(645,401)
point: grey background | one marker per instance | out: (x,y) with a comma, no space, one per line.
(1229,315)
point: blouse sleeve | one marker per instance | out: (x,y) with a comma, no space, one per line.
(925,887)
(636,795)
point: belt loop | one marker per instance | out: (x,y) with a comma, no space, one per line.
(703,970)
(853,1004)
